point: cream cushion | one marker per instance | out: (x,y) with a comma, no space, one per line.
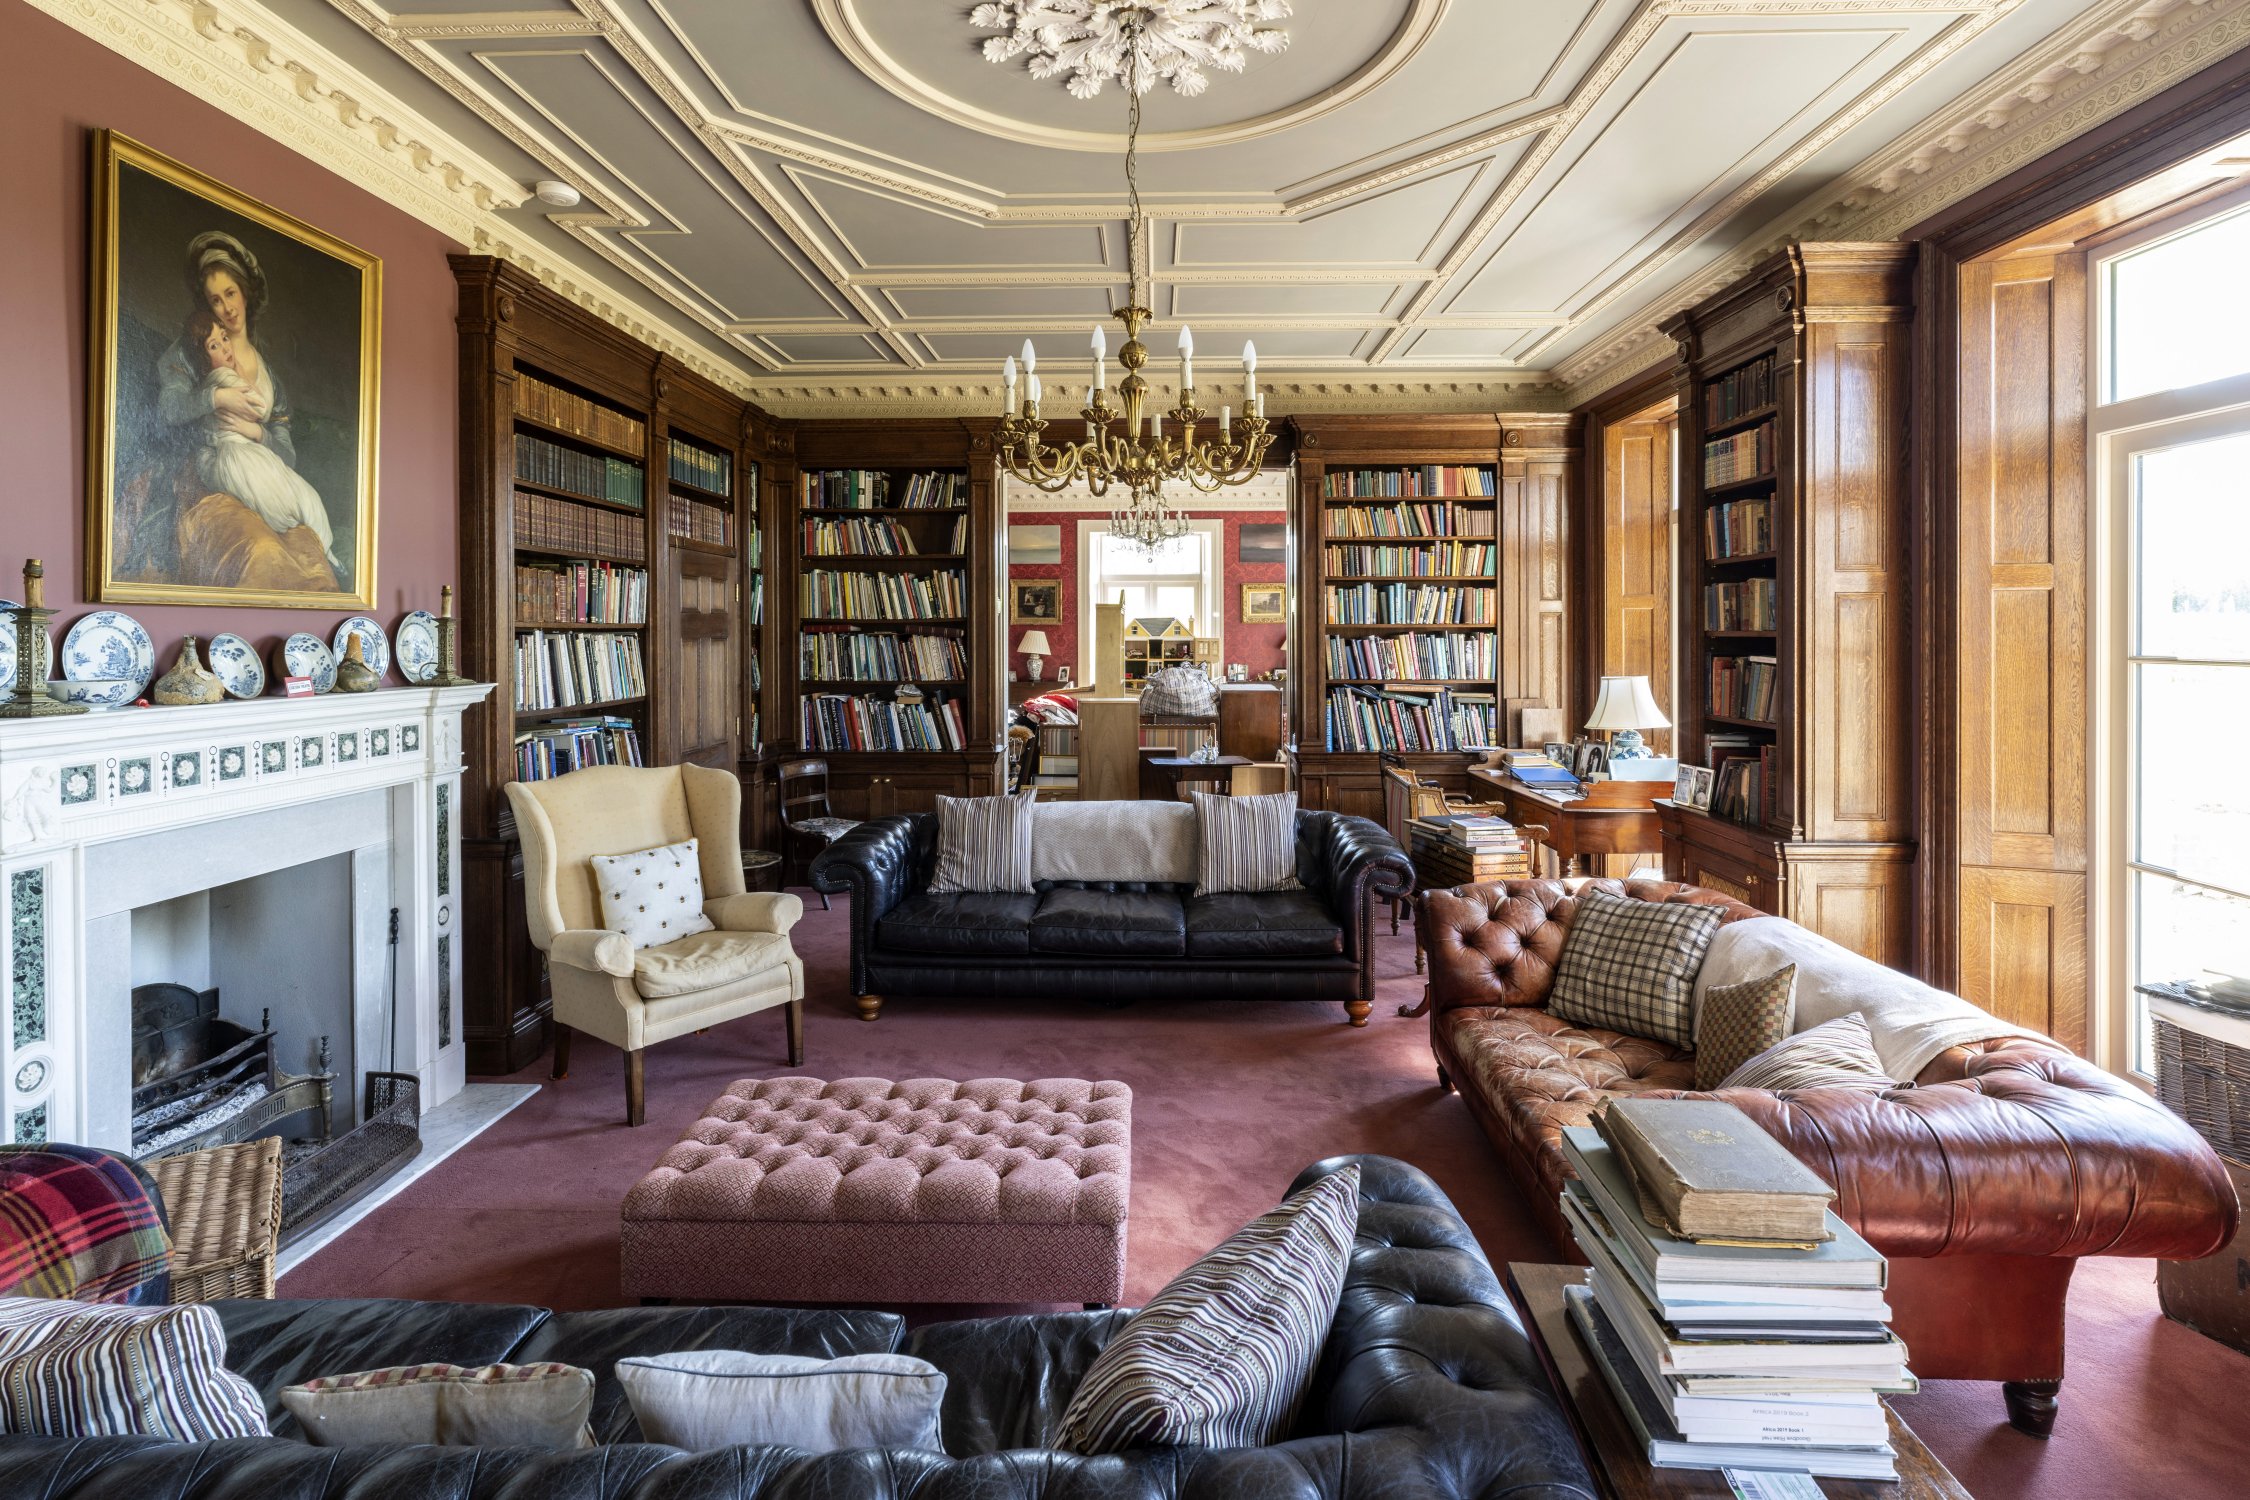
(508,1406)
(716,1398)
(705,961)
(652,895)
(1154,841)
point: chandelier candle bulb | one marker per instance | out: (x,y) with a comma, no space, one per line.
(1030,357)
(1008,373)
(1034,393)
(1226,422)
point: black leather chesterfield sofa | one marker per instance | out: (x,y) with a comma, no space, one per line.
(1428,1387)
(1116,939)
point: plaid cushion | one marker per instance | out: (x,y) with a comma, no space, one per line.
(1838,1054)
(1223,1355)
(1630,965)
(1736,1022)
(984,844)
(81,1223)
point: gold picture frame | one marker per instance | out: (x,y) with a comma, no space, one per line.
(1265,604)
(1034,601)
(235,379)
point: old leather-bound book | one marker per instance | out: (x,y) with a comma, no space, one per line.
(1706,1172)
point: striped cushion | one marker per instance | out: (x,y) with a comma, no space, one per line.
(1736,1022)
(1630,966)
(76,1369)
(1249,844)
(1222,1356)
(983,844)
(1838,1054)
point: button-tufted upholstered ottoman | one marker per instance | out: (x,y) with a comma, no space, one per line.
(869,1191)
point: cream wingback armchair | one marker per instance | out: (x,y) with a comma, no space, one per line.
(635,997)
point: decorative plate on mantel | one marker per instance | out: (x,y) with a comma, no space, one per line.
(109,645)
(235,662)
(417,646)
(374,646)
(304,655)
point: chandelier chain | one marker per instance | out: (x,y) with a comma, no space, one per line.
(1132,162)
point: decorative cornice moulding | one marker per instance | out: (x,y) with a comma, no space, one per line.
(1344,393)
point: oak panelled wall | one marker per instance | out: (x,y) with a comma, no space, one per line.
(1636,556)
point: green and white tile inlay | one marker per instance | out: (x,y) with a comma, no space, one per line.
(234,762)
(347,746)
(80,784)
(273,757)
(27,968)
(136,777)
(445,989)
(410,737)
(187,768)
(312,750)
(445,840)
(31,1126)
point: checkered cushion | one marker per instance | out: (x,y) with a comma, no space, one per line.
(1630,965)
(1736,1022)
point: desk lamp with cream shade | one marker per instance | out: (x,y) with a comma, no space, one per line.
(1035,650)
(1623,707)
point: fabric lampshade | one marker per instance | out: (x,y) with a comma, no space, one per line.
(1034,643)
(1626,703)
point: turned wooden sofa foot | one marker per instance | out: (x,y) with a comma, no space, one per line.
(1357,1010)
(2032,1405)
(636,1086)
(562,1052)
(870,1006)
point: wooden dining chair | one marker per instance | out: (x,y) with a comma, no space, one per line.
(808,823)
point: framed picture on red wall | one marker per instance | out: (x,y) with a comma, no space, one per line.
(1263,542)
(1264,604)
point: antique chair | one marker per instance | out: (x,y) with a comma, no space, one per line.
(808,823)
(1406,798)
(636,997)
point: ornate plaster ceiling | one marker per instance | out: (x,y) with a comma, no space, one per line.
(1428,202)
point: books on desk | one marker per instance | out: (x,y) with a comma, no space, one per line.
(1727,1356)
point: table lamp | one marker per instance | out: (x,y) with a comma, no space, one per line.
(1624,707)
(1034,648)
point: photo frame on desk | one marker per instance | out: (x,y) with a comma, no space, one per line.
(1589,757)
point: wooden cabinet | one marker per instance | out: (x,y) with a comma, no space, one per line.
(1793,590)
(873,785)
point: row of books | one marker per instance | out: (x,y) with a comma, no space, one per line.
(556,407)
(1410,604)
(1420,479)
(1462,848)
(1724,1346)
(754,602)
(1745,605)
(1425,560)
(580,593)
(879,489)
(1739,785)
(1740,455)
(857,536)
(836,721)
(1741,687)
(565,668)
(1359,719)
(1738,392)
(542,523)
(699,521)
(1739,528)
(1441,519)
(569,745)
(706,470)
(1413,657)
(882,656)
(594,475)
(824,594)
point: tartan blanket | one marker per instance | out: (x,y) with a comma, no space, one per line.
(82,1224)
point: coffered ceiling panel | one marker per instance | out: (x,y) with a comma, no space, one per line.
(1450,191)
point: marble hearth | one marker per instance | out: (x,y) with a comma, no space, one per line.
(292,827)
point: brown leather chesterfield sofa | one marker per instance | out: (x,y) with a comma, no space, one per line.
(2007,1159)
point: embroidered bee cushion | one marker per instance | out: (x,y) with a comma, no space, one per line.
(654,895)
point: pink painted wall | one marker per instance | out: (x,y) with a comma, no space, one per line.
(1256,646)
(60,88)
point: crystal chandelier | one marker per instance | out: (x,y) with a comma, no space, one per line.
(1145,521)
(1130,446)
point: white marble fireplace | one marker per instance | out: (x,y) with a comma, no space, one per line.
(258,847)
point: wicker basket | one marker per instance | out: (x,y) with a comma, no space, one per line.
(2207,1083)
(225,1208)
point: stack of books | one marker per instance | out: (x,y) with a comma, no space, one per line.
(1737,1320)
(1536,768)
(1467,849)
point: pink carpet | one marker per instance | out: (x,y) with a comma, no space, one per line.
(1231,1101)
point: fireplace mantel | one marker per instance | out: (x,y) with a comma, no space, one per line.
(71,784)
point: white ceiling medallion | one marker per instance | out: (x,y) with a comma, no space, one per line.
(848,27)
(1176,39)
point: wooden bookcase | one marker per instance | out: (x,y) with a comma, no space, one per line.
(957,541)
(1802,366)
(1523,471)
(544,378)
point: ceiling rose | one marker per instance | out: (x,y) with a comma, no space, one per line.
(1176,40)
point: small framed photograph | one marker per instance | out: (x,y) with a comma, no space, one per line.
(1560,752)
(1697,783)
(1591,758)
(1034,601)
(1264,604)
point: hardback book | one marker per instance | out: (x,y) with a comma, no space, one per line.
(1877,1359)
(1712,1174)
(1842,1260)
(1668,1447)
(1696,1303)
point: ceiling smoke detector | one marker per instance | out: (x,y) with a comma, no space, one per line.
(556,194)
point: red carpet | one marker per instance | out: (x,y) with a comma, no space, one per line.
(1231,1100)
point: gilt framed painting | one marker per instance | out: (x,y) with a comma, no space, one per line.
(234,373)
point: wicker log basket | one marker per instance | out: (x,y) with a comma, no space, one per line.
(225,1208)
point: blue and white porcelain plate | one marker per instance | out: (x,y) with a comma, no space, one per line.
(305,655)
(109,646)
(374,646)
(236,665)
(416,640)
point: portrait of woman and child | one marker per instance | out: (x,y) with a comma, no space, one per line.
(239,382)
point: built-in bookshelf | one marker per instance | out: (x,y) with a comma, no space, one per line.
(1736,483)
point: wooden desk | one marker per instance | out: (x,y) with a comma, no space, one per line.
(1620,1464)
(1574,827)
(1171,770)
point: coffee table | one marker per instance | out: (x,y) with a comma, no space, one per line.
(1620,1464)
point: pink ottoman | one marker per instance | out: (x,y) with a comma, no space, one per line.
(869,1191)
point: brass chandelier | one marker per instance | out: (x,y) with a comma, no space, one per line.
(1131,446)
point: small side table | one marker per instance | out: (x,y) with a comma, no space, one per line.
(761,870)
(1621,1465)
(1178,769)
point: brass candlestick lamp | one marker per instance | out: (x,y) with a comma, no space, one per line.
(30,700)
